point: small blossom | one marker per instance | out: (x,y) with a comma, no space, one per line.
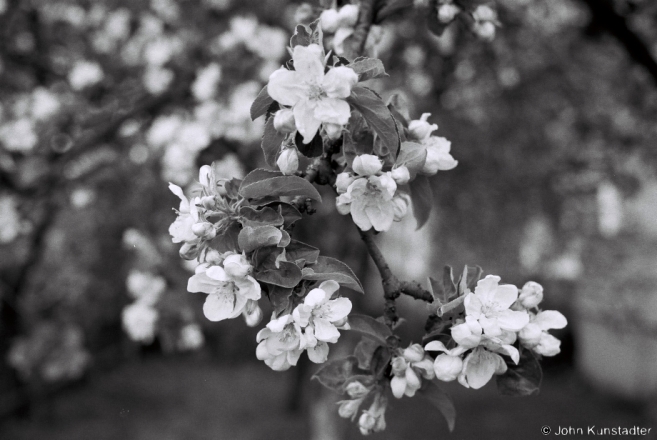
(139,321)
(349,408)
(369,200)
(420,129)
(447,12)
(484,30)
(284,121)
(191,338)
(252,313)
(531,295)
(401,202)
(145,287)
(207,79)
(438,157)
(373,420)
(280,343)
(407,370)
(85,74)
(448,365)
(288,161)
(342,182)
(535,334)
(330,20)
(348,15)
(401,175)
(367,165)
(181,228)
(479,366)
(484,13)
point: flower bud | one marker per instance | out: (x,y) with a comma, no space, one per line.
(205,175)
(401,175)
(484,13)
(447,367)
(356,389)
(237,266)
(189,251)
(288,161)
(531,295)
(343,181)
(208,202)
(213,257)
(400,204)
(414,353)
(342,323)
(530,335)
(333,131)
(254,316)
(367,165)
(366,423)
(447,12)
(343,204)
(420,129)
(330,20)
(284,121)
(349,408)
(548,345)
(348,15)
(412,380)
(399,366)
(204,230)
(438,157)
(485,30)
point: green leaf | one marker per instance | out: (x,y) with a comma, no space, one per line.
(314,148)
(437,291)
(279,297)
(441,400)
(279,186)
(399,109)
(257,175)
(412,155)
(301,36)
(251,216)
(287,275)
(368,68)
(251,239)
(523,379)
(422,197)
(335,373)
(290,213)
(328,268)
(364,351)
(370,327)
(297,250)
(271,142)
(377,115)
(449,288)
(227,240)
(261,104)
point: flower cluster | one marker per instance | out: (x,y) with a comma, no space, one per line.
(370,195)
(339,22)
(311,326)
(437,148)
(407,369)
(140,317)
(485,19)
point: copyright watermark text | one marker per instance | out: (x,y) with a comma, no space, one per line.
(595,430)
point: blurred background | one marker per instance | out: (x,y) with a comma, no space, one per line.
(554,125)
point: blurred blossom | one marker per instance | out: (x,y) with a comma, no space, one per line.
(229,167)
(72,14)
(85,74)
(18,135)
(117,25)
(415,56)
(45,104)
(419,82)
(3,6)
(10,226)
(536,243)
(160,51)
(82,197)
(207,79)
(610,209)
(191,338)
(145,287)
(139,322)
(167,9)
(138,154)
(163,129)
(219,5)
(157,80)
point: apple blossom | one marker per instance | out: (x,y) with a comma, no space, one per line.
(369,200)
(252,313)
(448,365)
(438,157)
(284,121)
(367,165)
(535,334)
(342,182)
(420,129)
(373,419)
(288,161)
(315,97)
(139,321)
(531,295)
(349,408)
(280,343)
(479,366)
(447,12)
(181,228)
(407,370)
(401,175)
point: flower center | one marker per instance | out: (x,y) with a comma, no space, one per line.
(315,92)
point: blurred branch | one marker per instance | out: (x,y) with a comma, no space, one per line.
(605,16)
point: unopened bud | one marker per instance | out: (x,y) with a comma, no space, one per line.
(420,129)
(333,131)
(284,121)
(342,182)
(208,202)
(400,203)
(213,257)
(349,408)
(401,175)
(447,12)
(530,335)
(447,367)
(236,265)
(414,353)
(356,389)
(330,20)
(343,204)
(367,165)
(288,161)
(189,251)
(204,230)
(205,175)
(531,295)
(253,317)
(366,423)
(348,15)
(399,366)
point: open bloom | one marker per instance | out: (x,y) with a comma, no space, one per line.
(407,370)
(281,343)
(370,202)
(321,316)
(535,336)
(479,366)
(489,307)
(181,228)
(315,97)
(448,365)
(438,157)
(228,288)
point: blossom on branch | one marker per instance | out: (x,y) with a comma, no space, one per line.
(407,370)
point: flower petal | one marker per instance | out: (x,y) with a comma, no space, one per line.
(486,287)
(338,309)
(548,345)
(549,319)
(218,307)
(217,273)
(248,287)
(512,320)
(480,368)
(201,283)
(286,87)
(381,215)
(338,81)
(358,213)
(332,111)
(325,331)
(304,117)
(435,346)
(398,386)
(505,295)
(319,353)
(309,63)
(316,297)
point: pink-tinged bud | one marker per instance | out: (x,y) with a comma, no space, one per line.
(420,129)
(401,175)
(349,408)
(447,12)
(484,13)
(288,161)
(213,257)
(333,131)
(485,30)
(399,366)
(348,15)
(330,20)
(253,316)
(414,353)
(366,423)
(204,230)
(531,295)
(342,182)
(236,265)
(447,367)
(205,175)
(189,251)
(530,335)
(356,390)
(284,121)
(367,165)
(400,203)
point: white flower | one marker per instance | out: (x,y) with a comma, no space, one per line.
(447,12)
(330,20)
(181,228)
(348,15)
(479,367)
(236,265)
(207,79)
(342,182)
(420,129)
(315,98)
(284,121)
(401,175)
(288,161)
(227,294)
(252,313)
(407,370)
(369,200)
(489,307)
(204,230)
(373,419)
(367,165)
(446,366)
(333,131)
(85,74)
(280,343)
(349,408)
(535,334)
(438,157)
(191,338)
(139,321)
(531,295)
(320,316)
(145,287)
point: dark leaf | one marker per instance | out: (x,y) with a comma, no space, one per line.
(301,37)
(266,257)
(523,379)
(316,34)
(473,276)
(314,148)
(253,217)
(380,360)
(251,239)
(297,250)
(290,213)
(271,142)
(227,240)
(368,68)
(412,156)
(370,327)
(287,275)
(261,104)
(364,351)
(279,297)
(422,197)
(328,268)
(449,288)
(334,374)
(442,401)
(437,291)
(377,115)
(232,187)
(259,174)
(279,186)
(399,109)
